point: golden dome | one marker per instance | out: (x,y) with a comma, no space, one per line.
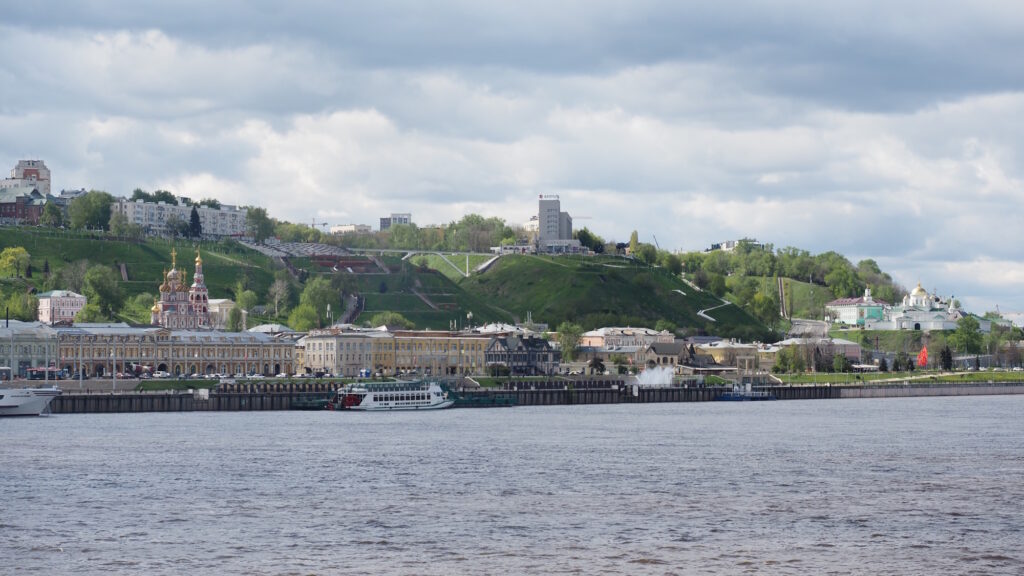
(156,307)
(199,259)
(919,291)
(163,287)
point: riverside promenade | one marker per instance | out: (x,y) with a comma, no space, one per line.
(289,396)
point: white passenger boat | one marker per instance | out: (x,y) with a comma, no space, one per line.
(375,396)
(26,401)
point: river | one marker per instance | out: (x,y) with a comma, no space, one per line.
(888,486)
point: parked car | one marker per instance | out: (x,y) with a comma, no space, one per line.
(281,375)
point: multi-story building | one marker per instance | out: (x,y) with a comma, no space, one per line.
(31,174)
(523,356)
(350,229)
(395,218)
(181,305)
(103,349)
(25,345)
(439,352)
(59,306)
(616,336)
(22,203)
(347,351)
(153,216)
(554,227)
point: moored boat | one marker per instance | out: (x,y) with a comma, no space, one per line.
(26,401)
(401,395)
(738,394)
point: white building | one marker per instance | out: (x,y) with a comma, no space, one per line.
(32,173)
(617,336)
(219,310)
(25,345)
(59,306)
(923,311)
(351,229)
(153,216)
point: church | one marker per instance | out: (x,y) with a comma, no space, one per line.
(923,311)
(180,306)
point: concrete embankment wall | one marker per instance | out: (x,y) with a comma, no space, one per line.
(257,397)
(914,390)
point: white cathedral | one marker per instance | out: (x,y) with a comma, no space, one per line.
(923,311)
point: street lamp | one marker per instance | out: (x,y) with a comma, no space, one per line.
(113,367)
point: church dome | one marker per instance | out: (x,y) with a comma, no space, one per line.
(919,291)
(199,259)
(156,307)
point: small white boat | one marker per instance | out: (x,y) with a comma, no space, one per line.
(26,401)
(375,396)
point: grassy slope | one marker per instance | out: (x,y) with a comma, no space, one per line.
(145,260)
(453,302)
(437,263)
(602,291)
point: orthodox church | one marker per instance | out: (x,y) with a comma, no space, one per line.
(180,306)
(923,311)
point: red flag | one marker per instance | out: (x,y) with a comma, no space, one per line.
(922,357)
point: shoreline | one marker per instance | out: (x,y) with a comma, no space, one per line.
(245,398)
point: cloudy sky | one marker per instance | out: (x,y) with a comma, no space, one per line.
(885,130)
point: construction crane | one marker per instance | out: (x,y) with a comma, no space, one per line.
(656,242)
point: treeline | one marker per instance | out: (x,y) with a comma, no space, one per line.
(830,269)
(473,233)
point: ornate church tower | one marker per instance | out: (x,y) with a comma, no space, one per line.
(199,297)
(181,307)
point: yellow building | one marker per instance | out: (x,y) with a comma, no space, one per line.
(103,349)
(440,353)
(349,351)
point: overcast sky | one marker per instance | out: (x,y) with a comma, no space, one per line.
(885,130)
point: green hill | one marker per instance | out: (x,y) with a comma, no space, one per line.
(605,291)
(224,263)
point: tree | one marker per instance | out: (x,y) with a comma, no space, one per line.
(258,224)
(967,337)
(569,334)
(318,294)
(101,288)
(164,196)
(278,293)
(634,243)
(246,300)
(13,261)
(946,358)
(118,224)
(883,366)
(665,325)
(234,323)
(392,320)
(195,227)
(303,318)
(22,306)
(765,307)
(72,276)
(840,363)
(51,216)
(646,253)
(90,313)
(176,226)
(211,202)
(589,240)
(91,210)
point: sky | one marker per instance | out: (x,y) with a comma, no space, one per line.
(884,130)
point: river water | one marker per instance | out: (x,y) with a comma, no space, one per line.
(894,486)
